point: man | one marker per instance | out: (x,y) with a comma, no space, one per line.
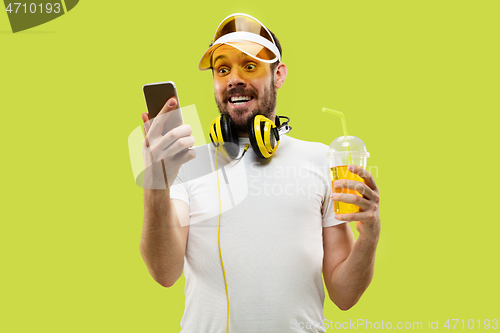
(254,265)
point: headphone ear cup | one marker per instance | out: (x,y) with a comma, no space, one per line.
(251,136)
(215,137)
(263,135)
(229,135)
(275,136)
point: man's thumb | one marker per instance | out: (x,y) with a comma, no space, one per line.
(171,103)
(145,120)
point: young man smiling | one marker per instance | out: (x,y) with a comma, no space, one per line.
(244,86)
(277,243)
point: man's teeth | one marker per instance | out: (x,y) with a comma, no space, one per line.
(240,99)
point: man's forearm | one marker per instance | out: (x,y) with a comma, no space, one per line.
(161,243)
(350,278)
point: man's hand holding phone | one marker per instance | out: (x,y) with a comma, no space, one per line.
(164,154)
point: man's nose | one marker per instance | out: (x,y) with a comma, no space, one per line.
(236,79)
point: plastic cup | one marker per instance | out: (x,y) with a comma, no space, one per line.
(344,151)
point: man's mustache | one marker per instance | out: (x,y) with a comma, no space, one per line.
(238,91)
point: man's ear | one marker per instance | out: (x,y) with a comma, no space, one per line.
(280,73)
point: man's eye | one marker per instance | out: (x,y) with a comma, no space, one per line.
(250,66)
(223,70)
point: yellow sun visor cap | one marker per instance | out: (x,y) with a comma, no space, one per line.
(246,34)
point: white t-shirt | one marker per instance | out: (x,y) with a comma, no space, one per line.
(273,212)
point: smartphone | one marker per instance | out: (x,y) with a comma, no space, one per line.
(156,95)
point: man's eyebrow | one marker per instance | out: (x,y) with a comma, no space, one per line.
(219,57)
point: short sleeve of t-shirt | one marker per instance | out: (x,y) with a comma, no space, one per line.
(328,214)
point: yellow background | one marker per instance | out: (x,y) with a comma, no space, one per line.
(417,81)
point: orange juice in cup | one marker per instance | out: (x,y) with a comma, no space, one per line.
(341,172)
(346,150)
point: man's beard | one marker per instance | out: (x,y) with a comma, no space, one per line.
(265,107)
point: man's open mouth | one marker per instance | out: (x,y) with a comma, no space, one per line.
(240,100)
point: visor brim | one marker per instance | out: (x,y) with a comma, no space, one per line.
(254,50)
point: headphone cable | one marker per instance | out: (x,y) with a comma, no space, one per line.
(220,252)
(218,234)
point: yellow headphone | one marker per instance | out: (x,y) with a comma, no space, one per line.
(263,133)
